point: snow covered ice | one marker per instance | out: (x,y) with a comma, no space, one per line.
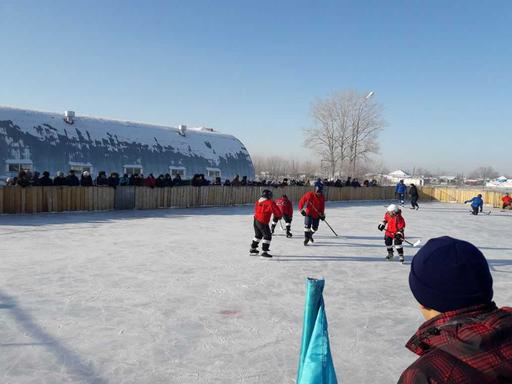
(172,296)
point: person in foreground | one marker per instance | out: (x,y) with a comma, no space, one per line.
(466,338)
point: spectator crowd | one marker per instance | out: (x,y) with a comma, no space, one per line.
(84,179)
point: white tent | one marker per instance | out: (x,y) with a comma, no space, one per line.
(396,176)
(399,174)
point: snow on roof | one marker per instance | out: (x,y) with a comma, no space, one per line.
(398,173)
(203,142)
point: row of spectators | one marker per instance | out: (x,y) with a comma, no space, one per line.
(349,183)
(28,178)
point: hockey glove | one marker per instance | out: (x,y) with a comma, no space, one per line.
(322,217)
(303,213)
(399,236)
(381,226)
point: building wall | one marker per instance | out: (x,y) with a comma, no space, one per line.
(51,144)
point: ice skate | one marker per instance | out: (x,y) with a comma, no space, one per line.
(253,252)
(265,255)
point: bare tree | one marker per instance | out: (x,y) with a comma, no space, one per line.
(276,167)
(423,172)
(323,136)
(484,173)
(345,130)
(366,123)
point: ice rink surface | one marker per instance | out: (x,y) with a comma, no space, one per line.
(172,296)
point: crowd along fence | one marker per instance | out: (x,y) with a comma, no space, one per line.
(64,199)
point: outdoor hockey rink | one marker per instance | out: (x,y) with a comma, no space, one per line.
(172,296)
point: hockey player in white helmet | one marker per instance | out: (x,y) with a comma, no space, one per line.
(394,224)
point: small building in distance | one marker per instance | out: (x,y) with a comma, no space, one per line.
(394,177)
(500,182)
(41,141)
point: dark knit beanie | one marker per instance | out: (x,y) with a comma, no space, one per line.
(448,274)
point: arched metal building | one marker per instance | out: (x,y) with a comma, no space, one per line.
(54,142)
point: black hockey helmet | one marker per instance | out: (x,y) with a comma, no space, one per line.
(267,194)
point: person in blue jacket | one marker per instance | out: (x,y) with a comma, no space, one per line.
(477,203)
(400,191)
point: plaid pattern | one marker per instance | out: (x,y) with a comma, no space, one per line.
(466,346)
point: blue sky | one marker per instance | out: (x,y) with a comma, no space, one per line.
(441,69)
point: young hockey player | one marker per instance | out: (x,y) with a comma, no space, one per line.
(476,203)
(507,201)
(286,208)
(312,207)
(264,208)
(400,191)
(394,224)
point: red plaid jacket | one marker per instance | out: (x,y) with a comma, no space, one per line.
(471,345)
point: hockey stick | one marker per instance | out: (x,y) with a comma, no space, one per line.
(415,244)
(281,224)
(325,221)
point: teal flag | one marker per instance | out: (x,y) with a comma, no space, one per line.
(315,364)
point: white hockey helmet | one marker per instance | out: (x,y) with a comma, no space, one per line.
(392,208)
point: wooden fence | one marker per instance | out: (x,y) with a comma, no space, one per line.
(61,199)
(460,195)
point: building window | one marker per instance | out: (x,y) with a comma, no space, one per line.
(80,167)
(213,173)
(177,171)
(132,169)
(15,166)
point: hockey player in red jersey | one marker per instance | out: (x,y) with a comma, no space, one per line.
(285,206)
(264,208)
(507,201)
(312,207)
(394,224)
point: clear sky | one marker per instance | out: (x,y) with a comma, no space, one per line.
(441,69)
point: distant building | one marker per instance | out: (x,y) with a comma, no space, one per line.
(500,182)
(41,141)
(396,176)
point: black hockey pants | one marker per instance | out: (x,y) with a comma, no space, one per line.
(389,245)
(310,226)
(261,231)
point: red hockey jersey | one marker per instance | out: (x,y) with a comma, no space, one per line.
(313,204)
(264,209)
(395,223)
(285,206)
